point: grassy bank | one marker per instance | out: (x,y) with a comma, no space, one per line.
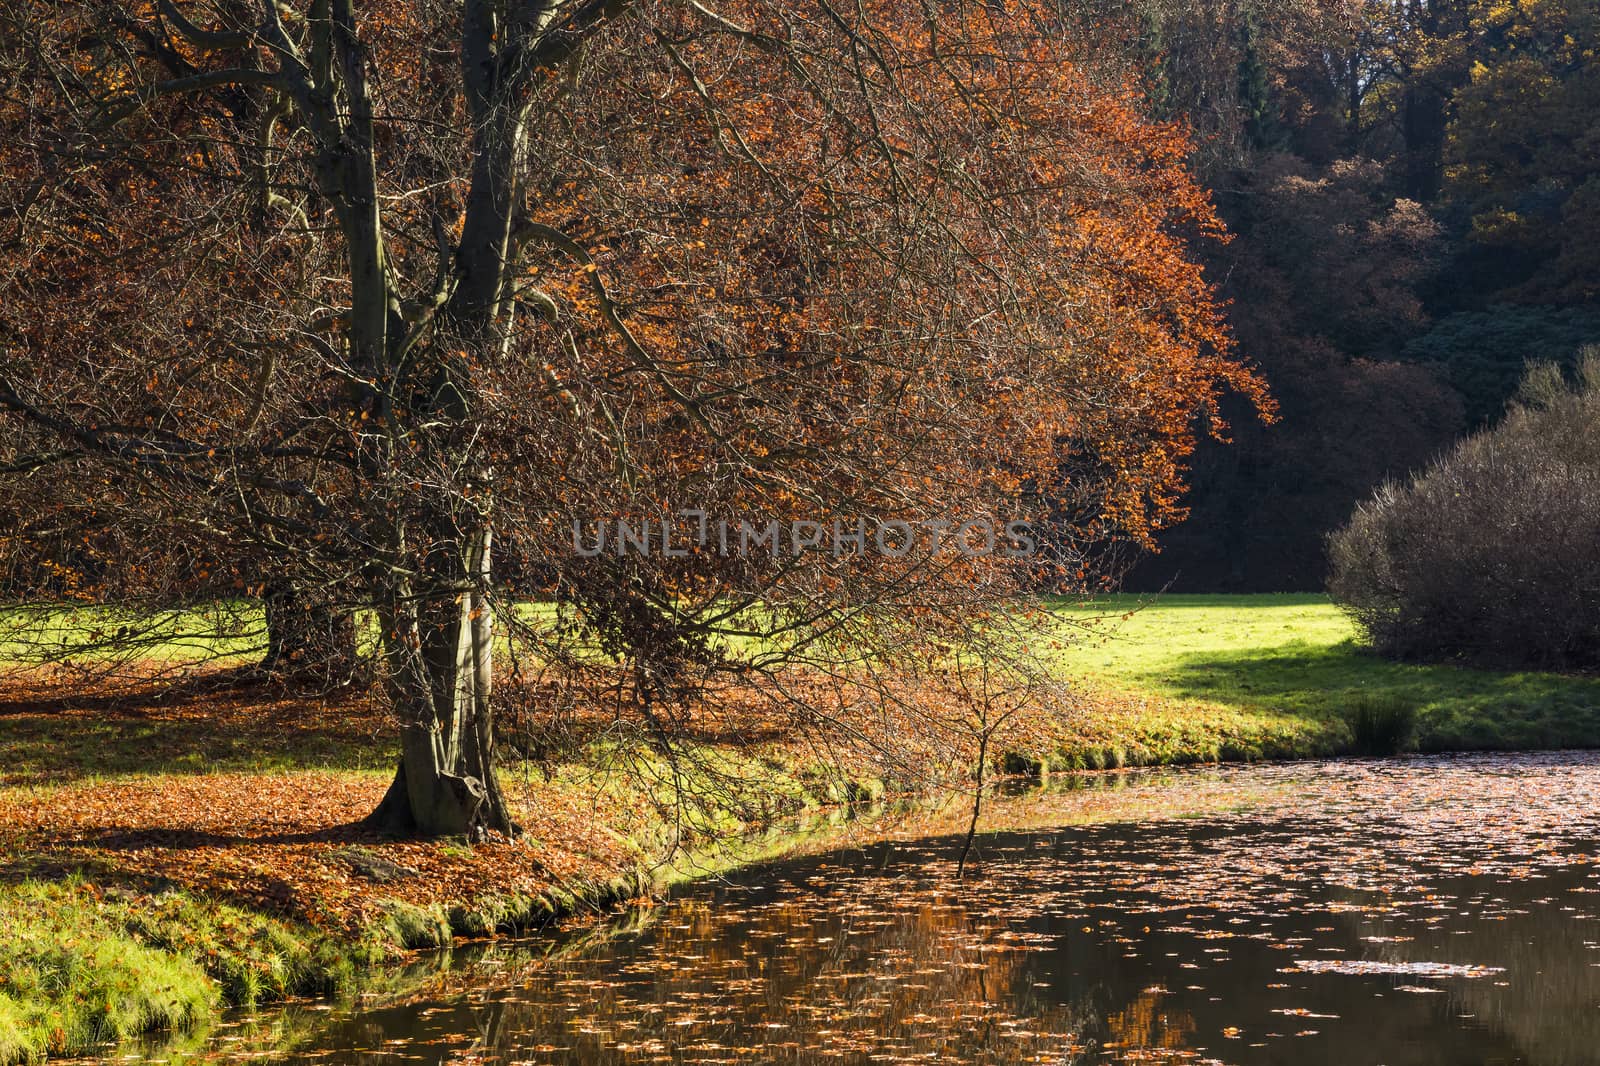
(166,851)
(164,854)
(1184,678)
(82,966)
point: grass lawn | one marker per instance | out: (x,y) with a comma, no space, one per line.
(1281,673)
(1161,679)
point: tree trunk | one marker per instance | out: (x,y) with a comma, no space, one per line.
(1423,123)
(1352,118)
(308,641)
(437,627)
(441,673)
(977,805)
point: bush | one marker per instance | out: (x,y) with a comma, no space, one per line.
(1482,354)
(1383,724)
(1492,555)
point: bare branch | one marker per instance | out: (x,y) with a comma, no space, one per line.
(202,38)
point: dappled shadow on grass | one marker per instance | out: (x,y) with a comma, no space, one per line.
(1124,602)
(1459,708)
(52,734)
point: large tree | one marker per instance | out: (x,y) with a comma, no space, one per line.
(363,294)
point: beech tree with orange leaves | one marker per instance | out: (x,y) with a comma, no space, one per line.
(380,295)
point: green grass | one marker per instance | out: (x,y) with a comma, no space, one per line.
(71,979)
(223,632)
(226,632)
(81,970)
(1288,671)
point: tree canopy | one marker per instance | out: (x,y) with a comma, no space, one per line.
(361,299)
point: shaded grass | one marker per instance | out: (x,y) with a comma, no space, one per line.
(203,725)
(1284,676)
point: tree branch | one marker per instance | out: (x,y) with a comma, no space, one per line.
(202,38)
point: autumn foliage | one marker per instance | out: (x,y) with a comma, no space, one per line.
(360,301)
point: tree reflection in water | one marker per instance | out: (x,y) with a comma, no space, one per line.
(1310,931)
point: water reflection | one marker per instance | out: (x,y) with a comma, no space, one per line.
(1421,912)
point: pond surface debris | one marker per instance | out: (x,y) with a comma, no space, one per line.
(1394,912)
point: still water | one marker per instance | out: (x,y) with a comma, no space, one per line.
(1421,911)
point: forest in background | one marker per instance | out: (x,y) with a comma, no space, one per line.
(325,321)
(1415,203)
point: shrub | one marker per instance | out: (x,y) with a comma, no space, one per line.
(1482,353)
(1382,725)
(1491,555)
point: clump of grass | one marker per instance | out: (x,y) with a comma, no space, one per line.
(488,915)
(412,927)
(72,977)
(252,957)
(1383,723)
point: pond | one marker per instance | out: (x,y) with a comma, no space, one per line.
(1394,912)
